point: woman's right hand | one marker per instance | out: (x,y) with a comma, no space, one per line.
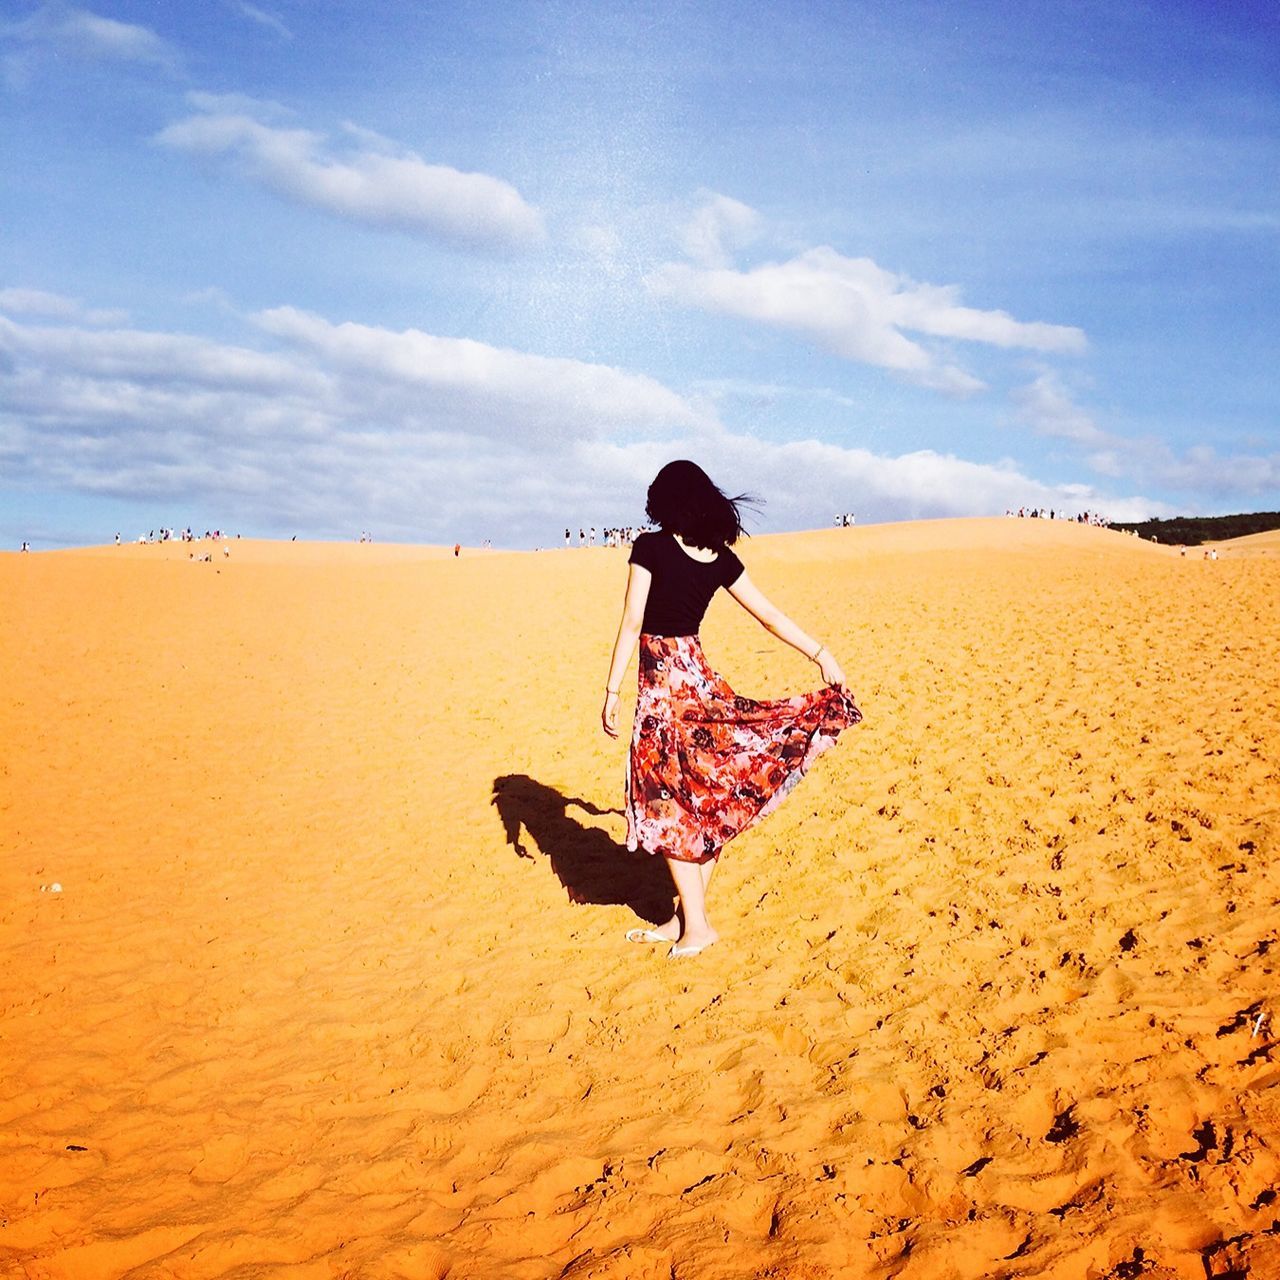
(609,714)
(831,671)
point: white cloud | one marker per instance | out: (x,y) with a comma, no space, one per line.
(238,104)
(858,310)
(264,19)
(80,33)
(1201,469)
(1046,407)
(211,296)
(55,306)
(133,363)
(806,482)
(1255,473)
(344,427)
(764,395)
(1106,462)
(719,226)
(499,391)
(364,181)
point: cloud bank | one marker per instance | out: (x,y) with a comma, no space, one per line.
(334,427)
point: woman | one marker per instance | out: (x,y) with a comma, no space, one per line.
(704,764)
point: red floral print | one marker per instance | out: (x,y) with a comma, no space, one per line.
(705,763)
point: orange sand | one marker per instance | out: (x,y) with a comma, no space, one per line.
(312,1004)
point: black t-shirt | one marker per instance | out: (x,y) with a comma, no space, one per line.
(682,586)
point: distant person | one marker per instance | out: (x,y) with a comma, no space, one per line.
(26,546)
(567,538)
(705,763)
(457,550)
(117,539)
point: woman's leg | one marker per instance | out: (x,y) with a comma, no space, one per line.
(674,927)
(708,870)
(691,880)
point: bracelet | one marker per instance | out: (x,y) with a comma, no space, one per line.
(608,690)
(817,653)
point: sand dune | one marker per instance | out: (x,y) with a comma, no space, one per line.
(1266,543)
(335,984)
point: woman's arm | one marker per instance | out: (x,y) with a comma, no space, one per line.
(773,620)
(624,646)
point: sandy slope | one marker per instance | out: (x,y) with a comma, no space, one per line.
(1252,544)
(336,985)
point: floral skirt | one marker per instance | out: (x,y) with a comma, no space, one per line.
(705,764)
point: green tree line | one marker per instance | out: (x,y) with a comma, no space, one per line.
(1191,531)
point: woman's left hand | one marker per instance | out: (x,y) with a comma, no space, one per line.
(831,671)
(609,714)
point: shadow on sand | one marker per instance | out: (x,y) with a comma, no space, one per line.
(592,866)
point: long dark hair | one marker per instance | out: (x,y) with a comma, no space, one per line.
(683,499)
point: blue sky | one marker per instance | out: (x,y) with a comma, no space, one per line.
(475,270)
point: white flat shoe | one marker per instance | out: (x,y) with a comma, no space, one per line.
(647,935)
(687,952)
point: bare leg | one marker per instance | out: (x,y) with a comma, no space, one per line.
(708,870)
(691,880)
(674,928)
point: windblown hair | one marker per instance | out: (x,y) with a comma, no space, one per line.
(683,499)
